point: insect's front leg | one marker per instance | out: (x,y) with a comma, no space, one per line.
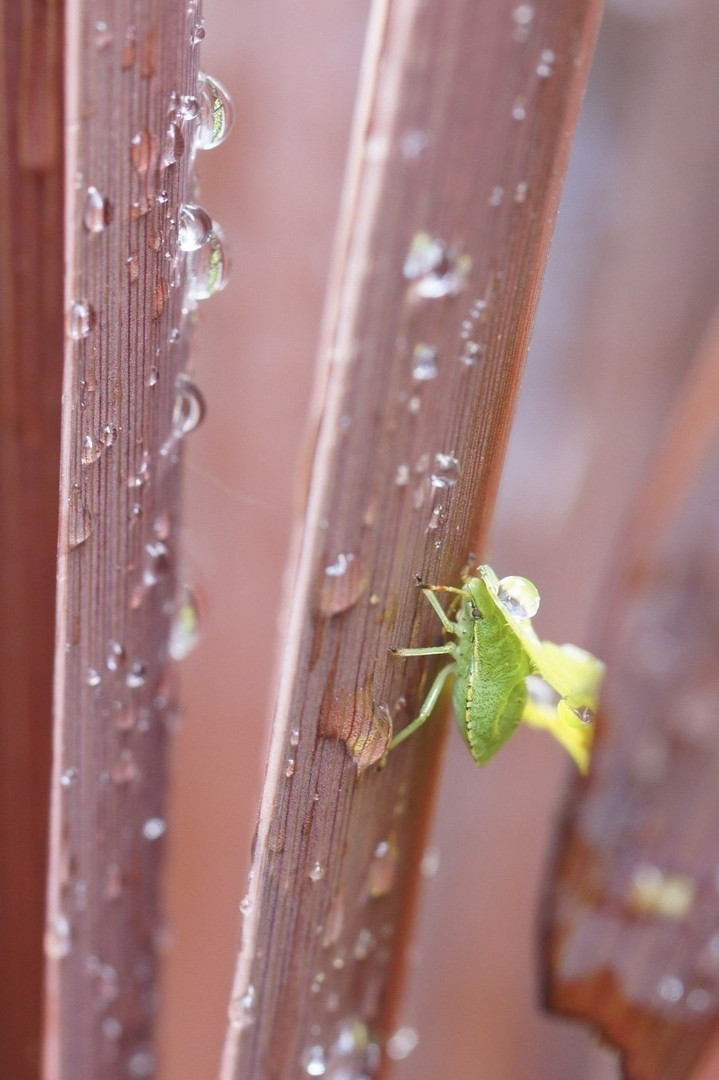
(429,591)
(432,697)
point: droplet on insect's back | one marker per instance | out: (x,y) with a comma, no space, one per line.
(519,597)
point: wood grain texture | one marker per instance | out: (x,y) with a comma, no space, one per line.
(129,65)
(464,124)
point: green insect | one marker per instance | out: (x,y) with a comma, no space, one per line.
(503,674)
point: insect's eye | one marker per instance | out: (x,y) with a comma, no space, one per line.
(476,613)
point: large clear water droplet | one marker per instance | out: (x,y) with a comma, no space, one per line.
(195,227)
(519,597)
(208,267)
(189,408)
(216,113)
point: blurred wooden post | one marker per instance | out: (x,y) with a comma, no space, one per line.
(31,173)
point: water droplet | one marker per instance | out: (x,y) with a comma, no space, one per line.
(189,409)
(520,192)
(80,520)
(80,320)
(141,1065)
(471,353)
(124,717)
(57,941)
(188,108)
(519,597)
(101,35)
(137,675)
(95,214)
(241,1012)
(157,562)
(91,450)
(115,655)
(446,471)
(523,17)
(108,435)
(295,737)
(335,920)
(316,873)
(290,768)
(364,944)
(353,1055)
(653,892)
(541,693)
(401,477)
(162,526)
(153,376)
(142,151)
(585,714)
(69,776)
(93,677)
(154,828)
(160,296)
(314,1061)
(699,1000)
(435,269)
(413,143)
(216,114)
(208,267)
(496,196)
(173,145)
(519,109)
(129,49)
(112,1028)
(185,626)
(424,362)
(430,862)
(402,1043)
(140,207)
(670,988)
(198,32)
(133,267)
(341,584)
(382,870)
(195,227)
(340,567)
(425,255)
(545,67)
(246,905)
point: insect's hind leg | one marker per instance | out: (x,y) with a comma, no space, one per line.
(429,702)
